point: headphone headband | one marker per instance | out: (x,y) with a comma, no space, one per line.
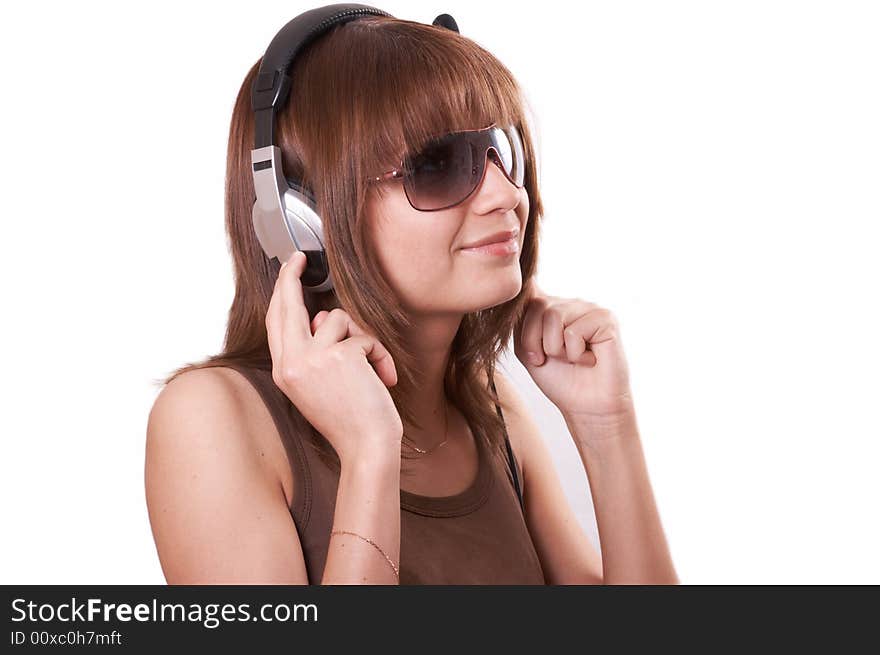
(272,84)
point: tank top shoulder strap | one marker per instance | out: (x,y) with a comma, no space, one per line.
(512,463)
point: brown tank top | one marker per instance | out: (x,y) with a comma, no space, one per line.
(478,536)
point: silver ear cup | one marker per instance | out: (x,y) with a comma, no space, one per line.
(308,233)
(285,219)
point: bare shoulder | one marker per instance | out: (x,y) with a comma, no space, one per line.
(214,403)
(217,509)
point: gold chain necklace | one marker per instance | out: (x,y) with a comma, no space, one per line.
(446,434)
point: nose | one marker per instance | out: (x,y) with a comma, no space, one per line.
(495,187)
(492,157)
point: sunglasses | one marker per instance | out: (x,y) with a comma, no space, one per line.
(448,169)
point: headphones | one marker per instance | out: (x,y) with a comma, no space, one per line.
(285,215)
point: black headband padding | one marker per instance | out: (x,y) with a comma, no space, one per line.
(272,84)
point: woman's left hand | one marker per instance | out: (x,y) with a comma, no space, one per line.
(581,365)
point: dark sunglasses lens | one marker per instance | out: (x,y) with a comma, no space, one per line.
(442,174)
(445,172)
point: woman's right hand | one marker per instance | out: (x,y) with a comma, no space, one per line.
(333,371)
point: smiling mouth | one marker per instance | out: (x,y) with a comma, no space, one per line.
(499,248)
(498,237)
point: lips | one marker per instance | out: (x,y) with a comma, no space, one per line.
(497,237)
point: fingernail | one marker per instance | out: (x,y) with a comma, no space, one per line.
(534,358)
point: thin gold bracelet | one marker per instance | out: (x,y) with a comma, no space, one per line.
(396,571)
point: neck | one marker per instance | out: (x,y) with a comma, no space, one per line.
(430,337)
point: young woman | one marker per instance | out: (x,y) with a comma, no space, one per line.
(359,435)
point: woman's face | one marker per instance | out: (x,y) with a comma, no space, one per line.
(421,253)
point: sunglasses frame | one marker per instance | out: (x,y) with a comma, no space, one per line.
(399,174)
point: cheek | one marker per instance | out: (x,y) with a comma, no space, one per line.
(413,248)
(423,251)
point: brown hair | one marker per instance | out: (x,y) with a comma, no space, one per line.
(363,94)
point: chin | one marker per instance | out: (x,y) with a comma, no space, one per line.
(495,290)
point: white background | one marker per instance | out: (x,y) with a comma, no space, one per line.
(710,174)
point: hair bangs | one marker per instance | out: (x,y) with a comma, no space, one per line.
(416,82)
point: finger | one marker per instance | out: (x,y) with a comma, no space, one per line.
(577,347)
(338,326)
(553,323)
(319,318)
(274,318)
(294,315)
(558,316)
(273,323)
(530,332)
(594,328)
(377,355)
(334,327)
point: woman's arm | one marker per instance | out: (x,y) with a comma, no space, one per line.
(567,555)
(618,484)
(634,547)
(573,351)
(367,503)
(217,506)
